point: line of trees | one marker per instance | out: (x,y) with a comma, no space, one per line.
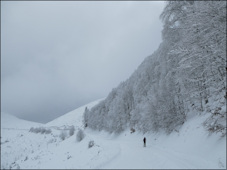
(184,77)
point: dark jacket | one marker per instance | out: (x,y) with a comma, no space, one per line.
(144,140)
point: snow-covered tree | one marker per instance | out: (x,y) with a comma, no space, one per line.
(80,135)
(71,130)
(187,72)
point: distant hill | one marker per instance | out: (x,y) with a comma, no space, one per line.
(11,121)
(72,118)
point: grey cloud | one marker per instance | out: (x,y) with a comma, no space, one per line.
(59,55)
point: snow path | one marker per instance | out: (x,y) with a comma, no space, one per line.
(132,155)
(190,148)
(135,156)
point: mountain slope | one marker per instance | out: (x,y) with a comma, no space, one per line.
(176,98)
(189,148)
(72,118)
(185,77)
(10,121)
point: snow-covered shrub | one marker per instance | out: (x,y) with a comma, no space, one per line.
(91,144)
(41,130)
(34,130)
(71,130)
(216,122)
(5,141)
(48,131)
(86,111)
(132,130)
(52,140)
(31,129)
(45,131)
(62,135)
(26,158)
(14,166)
(80,135)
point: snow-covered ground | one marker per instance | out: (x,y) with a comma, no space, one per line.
(190,148)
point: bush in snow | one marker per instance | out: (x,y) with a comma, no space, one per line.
(62,135)
(5,141)
(91,144)
(48,131)
(31,129)
(52,140)
(41,130)
(132,130)
(80,135)
(26,158)
(71,130)
(216,122)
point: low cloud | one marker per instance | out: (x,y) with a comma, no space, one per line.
(57,56)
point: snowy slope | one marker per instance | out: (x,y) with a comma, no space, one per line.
(10,121)
(190,148)
(15,143)
(72,118)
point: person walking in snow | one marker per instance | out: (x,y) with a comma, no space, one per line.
(144,142)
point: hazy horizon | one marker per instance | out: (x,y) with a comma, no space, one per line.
(57,56)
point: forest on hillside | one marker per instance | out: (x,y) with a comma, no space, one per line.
(185,77)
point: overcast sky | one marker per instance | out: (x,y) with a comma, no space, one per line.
(57,56)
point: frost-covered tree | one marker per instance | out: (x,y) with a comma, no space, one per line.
(80,135)
(63,135)
(85,117)
(200,53)
(71,130)
(186,74)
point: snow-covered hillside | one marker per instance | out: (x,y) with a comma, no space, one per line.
(10,121)
(191,147)
(183,78)
(72,118)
